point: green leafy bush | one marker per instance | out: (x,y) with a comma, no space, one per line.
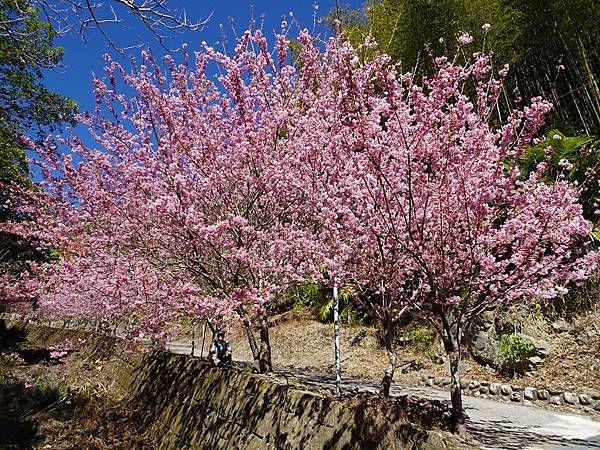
(421,339)
(319,296)
(307,295)
(514,351)
(350,314)
(44,395)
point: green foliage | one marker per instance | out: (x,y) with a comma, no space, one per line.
(349,312)
(296,53)
(45,395)
(326,311)
(352,316)
(514,351)
(306,295)
(13,163)
(319,296)
(410,31)
(26,107)
(552,46)
(26,47)
(421,339)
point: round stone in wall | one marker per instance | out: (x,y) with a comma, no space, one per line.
(570,398)
(542,394)
(529,393)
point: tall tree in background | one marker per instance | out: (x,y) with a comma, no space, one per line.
(553,46)
(26,107)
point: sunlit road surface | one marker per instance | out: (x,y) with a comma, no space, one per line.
(496,425)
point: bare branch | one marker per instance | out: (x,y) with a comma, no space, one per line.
(87,15)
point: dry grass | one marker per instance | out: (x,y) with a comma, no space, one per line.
(70,405)
(300,342)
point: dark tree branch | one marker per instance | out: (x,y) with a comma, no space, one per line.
(87,15)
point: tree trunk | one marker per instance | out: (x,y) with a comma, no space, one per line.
(264,355)
(451,335)
(388,374)
(249,333)
(261,354)
(458,413)
(193,339)
(251,338)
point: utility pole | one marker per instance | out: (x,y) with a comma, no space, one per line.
(336,327)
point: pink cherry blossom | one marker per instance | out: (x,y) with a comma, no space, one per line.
(465,39)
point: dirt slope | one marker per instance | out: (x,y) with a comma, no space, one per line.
(301,342)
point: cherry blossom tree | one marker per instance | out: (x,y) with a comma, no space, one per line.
(437,183)
(215,195)
(355,247)
(189,201)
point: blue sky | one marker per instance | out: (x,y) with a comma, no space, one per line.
(83,59)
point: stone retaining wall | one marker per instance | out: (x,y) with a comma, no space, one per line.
(191,404)
(587,402)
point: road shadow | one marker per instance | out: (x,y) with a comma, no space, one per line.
(11,337)
(496,434)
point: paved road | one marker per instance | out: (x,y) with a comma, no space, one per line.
(496,425)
